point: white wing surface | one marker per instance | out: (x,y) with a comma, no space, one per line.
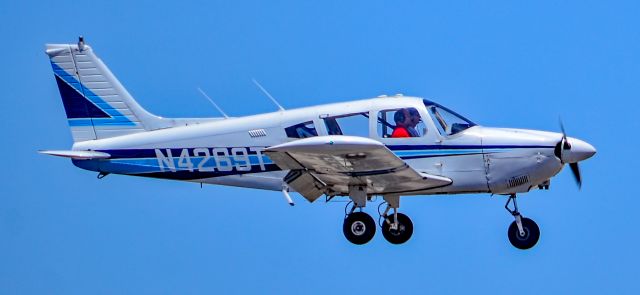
(330,164)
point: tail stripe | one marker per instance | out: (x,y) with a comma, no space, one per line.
(75,105)
(73,99)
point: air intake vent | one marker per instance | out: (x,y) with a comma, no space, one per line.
(257,133)
(518,180)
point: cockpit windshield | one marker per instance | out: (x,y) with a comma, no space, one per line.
(446,120)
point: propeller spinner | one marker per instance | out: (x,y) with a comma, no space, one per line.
(572,150)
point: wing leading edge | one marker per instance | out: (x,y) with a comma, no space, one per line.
(331,164)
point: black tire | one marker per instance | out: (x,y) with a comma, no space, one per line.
(400,235)
(531,234)
(359,228)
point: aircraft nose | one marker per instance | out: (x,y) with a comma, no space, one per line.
(580,150)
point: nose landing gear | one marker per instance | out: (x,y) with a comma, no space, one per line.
(523,232)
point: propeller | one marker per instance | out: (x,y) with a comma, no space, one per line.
(576,173)
(560,150)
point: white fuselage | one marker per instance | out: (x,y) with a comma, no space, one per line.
(229,151)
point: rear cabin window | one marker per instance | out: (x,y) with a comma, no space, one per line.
(353,124)
(302,130)
(406,122)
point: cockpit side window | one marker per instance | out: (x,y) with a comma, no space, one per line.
(352,124)
(302,130)
(398,123)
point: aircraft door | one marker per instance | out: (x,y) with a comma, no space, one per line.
(456,151)
(461,159)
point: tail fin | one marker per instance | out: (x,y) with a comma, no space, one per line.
(97,105)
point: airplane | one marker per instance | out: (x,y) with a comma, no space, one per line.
(388,146)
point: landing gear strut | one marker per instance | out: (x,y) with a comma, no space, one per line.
(397,228)
(523,232)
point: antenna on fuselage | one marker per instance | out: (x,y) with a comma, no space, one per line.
(267,94)
(213,103)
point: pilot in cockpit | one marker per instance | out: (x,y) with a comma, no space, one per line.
(402,119)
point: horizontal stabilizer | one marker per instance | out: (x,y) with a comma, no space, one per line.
(77,155)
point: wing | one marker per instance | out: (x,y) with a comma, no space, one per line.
(330,164)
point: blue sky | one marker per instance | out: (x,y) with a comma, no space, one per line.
(503,63)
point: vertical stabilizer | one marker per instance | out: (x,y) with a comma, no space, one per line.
(96,104)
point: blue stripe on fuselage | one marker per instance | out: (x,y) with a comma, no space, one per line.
(144,162)
(458,147)
(410,150)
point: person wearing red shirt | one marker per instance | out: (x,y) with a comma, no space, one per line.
(402,121)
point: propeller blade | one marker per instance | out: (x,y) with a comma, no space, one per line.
(565,143)
(564,134)
(576,173)
(567,146)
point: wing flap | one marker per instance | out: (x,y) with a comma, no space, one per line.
(305,184)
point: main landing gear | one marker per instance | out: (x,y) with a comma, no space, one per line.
(397,228)
(359,228)
(523,232)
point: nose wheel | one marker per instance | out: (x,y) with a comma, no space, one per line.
(525,239)
(523,233)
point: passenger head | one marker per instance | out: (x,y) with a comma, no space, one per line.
(414,117)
